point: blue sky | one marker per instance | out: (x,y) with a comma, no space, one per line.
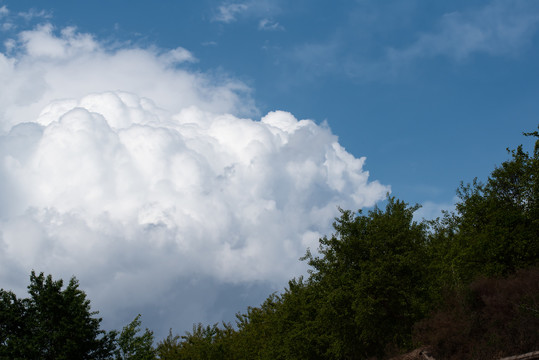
(431,93)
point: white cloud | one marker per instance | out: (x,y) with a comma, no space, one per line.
(41,43)
(234,194)
(72,65)
(178,56)
(269,25)
(227,13)
(35,14)
(148,181)
(6,25)
(4,11)
(499,28)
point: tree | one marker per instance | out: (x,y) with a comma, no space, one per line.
(498,222)
(170,347)
(209,342)
(51,324)
(372,277)
(135,347)
(488,319)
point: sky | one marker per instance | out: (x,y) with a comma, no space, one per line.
(179,157)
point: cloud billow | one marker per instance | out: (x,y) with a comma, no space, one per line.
(140,177)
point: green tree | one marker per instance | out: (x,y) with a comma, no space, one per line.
(51,324)
(170,347)
(301,333)
(132,346)
(204,343)
(497,223)
(372,276)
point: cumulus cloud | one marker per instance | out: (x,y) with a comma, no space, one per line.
(47,65)
(149,182)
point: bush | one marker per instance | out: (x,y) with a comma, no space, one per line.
(489,319)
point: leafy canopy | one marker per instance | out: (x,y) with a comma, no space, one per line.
(52,323)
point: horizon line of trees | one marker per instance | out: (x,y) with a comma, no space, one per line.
(465,284)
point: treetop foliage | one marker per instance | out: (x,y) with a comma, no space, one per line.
(51,324)
(131,346)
